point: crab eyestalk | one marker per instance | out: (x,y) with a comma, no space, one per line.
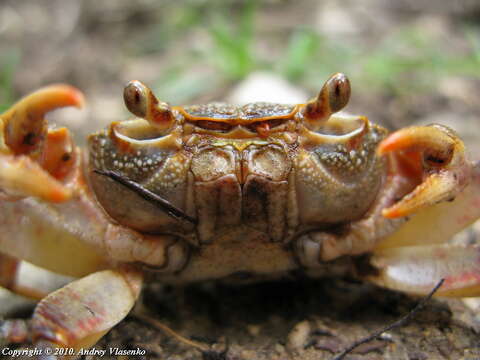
(141,102)
(442,169)
(333,97)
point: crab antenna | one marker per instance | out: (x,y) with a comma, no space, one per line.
(333,97)
(141,102)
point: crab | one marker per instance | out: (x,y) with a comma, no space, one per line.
(189,193)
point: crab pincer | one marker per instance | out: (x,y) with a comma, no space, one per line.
(35,160)
(435,155)
(445,201)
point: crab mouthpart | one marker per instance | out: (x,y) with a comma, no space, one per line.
(442,168)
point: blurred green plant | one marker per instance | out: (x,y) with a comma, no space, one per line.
(177,21)
(182,85)
(300,54)
(409,60)
(414,61)
(8,65)
(228,55)
(233,45)
(309,58)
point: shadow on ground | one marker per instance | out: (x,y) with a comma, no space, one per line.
(294,320)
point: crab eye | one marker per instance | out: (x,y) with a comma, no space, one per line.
(333,97)
(135,97)
(141,102)
(338,90)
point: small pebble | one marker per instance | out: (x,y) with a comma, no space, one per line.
(298,337)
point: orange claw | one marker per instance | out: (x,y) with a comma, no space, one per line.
(33,159)
(21,176)
(443,168)
(24,123)
(436,138)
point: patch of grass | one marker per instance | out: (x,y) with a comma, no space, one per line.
(300,54)
(181,85)
(8,65)
(408,61)
(411,60)
(173,23)
(225,52)
(233,42)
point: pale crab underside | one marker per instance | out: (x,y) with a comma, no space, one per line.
(213,191)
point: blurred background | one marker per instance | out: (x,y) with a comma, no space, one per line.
(408,60)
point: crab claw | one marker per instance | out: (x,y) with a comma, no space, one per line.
(33,159)
(24,123)
(418,254)
(433,154)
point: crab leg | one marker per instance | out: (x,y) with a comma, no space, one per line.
(417,269)
(79,314)
(40,169)
(417,256)
(9,271)
(49,216)
(28,280)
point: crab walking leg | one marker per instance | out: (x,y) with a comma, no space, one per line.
(10,279)
(14,330)
(417,269)
(8,271)
(79,314)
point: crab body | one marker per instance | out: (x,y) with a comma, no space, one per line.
(216,191)
(247,180)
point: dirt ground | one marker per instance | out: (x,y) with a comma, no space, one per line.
(410,62)
(301,320)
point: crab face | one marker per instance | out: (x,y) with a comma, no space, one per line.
(208,191)
(276,168)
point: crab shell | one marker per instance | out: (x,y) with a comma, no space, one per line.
(214,191)
(241,178)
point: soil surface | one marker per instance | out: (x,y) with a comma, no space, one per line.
(301,320)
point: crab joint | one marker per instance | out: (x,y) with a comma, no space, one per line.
(141,102)
(332,98)
(442,166)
